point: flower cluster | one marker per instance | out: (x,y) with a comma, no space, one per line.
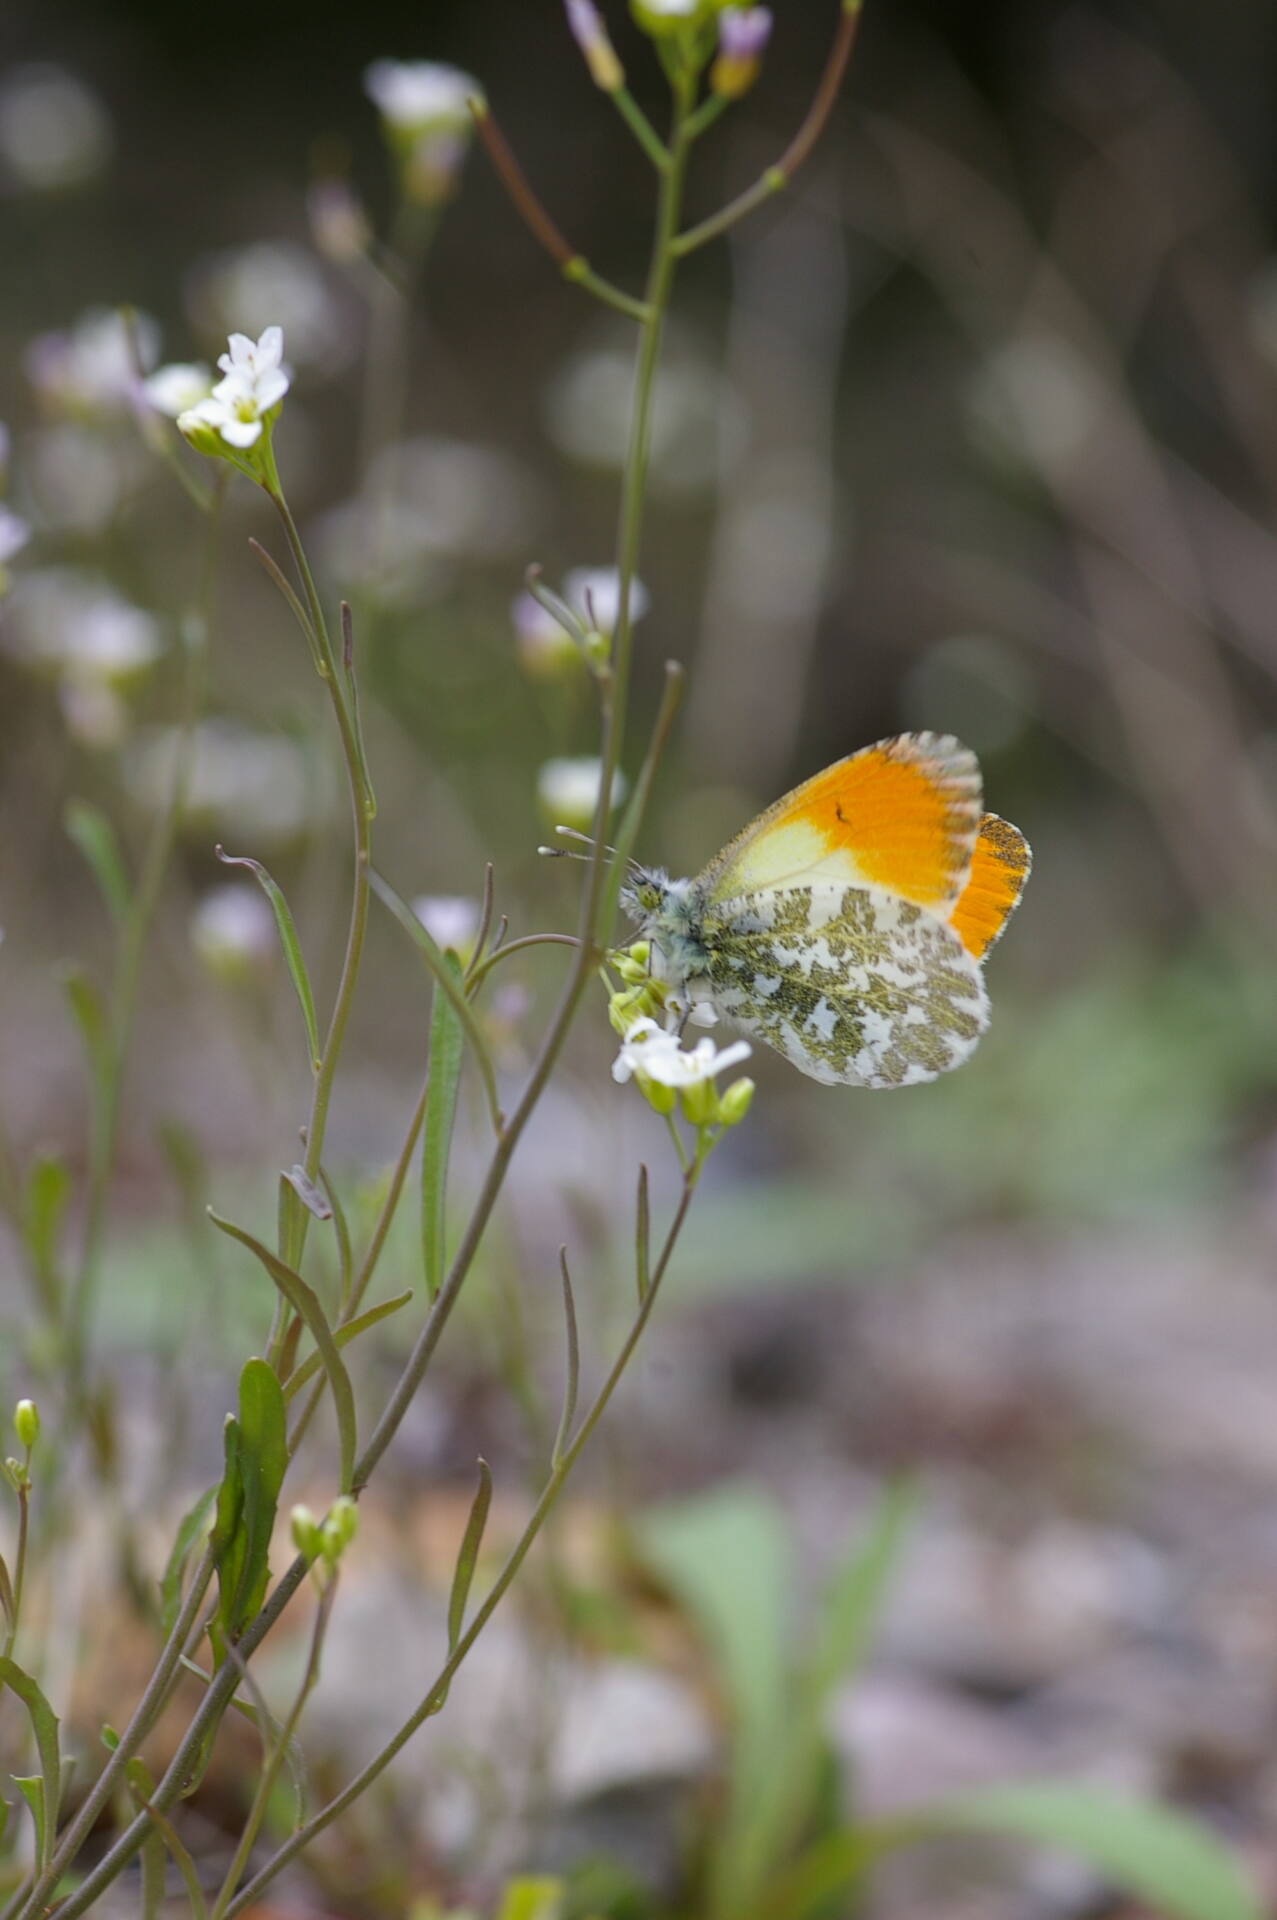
(242,403)
(668,1073)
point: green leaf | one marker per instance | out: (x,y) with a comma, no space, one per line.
(468,1556)
(188,1532)
(778,1801)
(343,1336)
(256,1462)
(290,943)
(44,1209)
(1148,1850)
(445,978)
(87,1006)
(305,1301)
(43,1793)
(6,1593)
(96,838)
(1151,1851)
(447,1050)
(724,1555)
(532,1899)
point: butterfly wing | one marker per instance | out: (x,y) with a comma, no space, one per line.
(902,815)
(999,868)
(853,984)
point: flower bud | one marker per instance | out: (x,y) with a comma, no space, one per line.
(591,36)
(743,33)
(26,1423)
(700,1104)
(735,1103)
(660,1098)
(339,1528)
(307,1537)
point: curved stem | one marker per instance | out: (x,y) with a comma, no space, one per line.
(779,176)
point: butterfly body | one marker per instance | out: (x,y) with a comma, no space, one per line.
(847,925)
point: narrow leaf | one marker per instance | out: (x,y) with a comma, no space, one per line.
(445,977)
(96,838)
(289,941)
(1159,1855)
(193,1524)
(44,1724)
(777,1799)
(468,1556)
(262,1461)
(573,1363)
(31,1787)
(642,1237)
(305,1301)
(44,1209)
(446,1052)
(6,1593)
(341,1229)
(90,1016)
(312,1197)
(343,1336)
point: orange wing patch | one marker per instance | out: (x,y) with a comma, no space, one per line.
(905,810)
(999,868)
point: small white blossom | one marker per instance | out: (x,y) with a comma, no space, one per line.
(254,381)
(173,390)
(73,625)
(54,132)
(451,920)
(568,790)
(648,1050)
(595,593)
(14,534)
(413,95)
(233,930)
(92,367)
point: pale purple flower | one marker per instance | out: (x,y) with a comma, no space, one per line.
(743,32)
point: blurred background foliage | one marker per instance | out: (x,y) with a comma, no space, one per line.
(974,430)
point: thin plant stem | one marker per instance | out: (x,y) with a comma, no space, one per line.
(559,1473)
(641,127)
(270,1772)
(178,1775)
(19,1567)
(521,945)
(778,177)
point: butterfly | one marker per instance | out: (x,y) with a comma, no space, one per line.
(848,925)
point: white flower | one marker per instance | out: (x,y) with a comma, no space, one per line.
(568,790)
(255,381)
(92,367)
(595,593)
(413,95)
(14,534)
(648,1050)
(54,133)
(233,929)
(451,920)
(76,626)
(175,389)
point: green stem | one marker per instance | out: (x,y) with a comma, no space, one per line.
(641,127)
(214,1705)
(19,1567)
(559,1473)
(270,1772)
(362,810)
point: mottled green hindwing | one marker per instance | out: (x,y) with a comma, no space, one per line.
(853,985)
